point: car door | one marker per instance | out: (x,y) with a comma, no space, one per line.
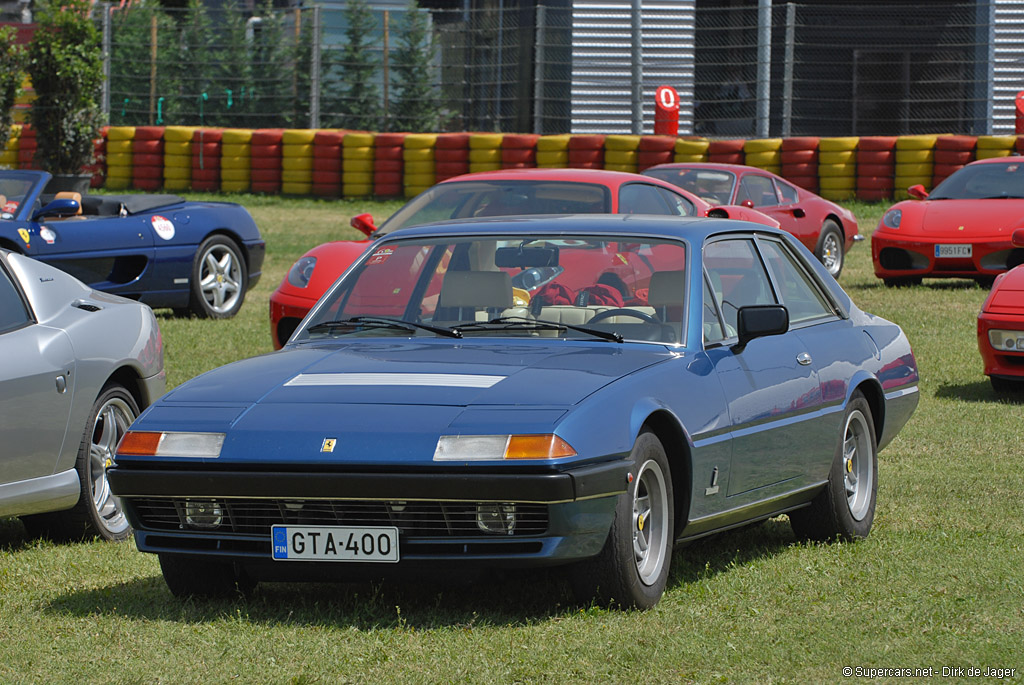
(772,391)
(780,200)
(36,362)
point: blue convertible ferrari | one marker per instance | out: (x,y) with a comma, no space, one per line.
(200,257)
(574,391)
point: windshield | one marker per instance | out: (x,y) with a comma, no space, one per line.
(714,186)
(537,286)
(13,190)
(467,199)
(997,180)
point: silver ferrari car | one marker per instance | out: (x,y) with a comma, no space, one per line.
(76,367)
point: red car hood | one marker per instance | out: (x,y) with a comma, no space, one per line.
(964,219)
(1007,296)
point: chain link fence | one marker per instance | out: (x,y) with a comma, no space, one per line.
(749,69)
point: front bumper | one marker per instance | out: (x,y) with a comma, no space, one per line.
(286,311)
(562,516)
(898,257)
(1000,363)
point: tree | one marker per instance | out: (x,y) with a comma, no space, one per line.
(12,62)
(416,102)
(131,66)
(360,101)
(65,63)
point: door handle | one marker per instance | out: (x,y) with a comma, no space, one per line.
(803,359)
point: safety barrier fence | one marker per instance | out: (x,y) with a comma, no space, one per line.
(339,163)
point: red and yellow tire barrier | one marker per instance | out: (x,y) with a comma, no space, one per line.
(485,152)
(553,151)
(120,154)
(206,150)
(953,152)
(297,161)
(418,159)
(236,160)
(148,158)
(620,152)
(876,165)
(585,151)
(9,156)
(691,150)
(358,155)
(519,150)
(178,157)
(654,150)
(388,165)
(726,151)
(764,153)
(837,167)
(27,148)
(265,160)
(798,159)
(327,175)
(996,146)
(915,162)
(451,155)
(98,167)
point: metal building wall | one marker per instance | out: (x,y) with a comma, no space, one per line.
(603,62)
(1006,63)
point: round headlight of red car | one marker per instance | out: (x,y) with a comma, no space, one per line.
(301,272)
(892,218)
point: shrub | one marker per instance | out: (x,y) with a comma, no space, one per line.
(12,60)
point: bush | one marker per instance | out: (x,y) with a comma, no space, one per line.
(65,63)
(416,105)
(12,60)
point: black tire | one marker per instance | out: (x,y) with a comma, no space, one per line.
(98,512)
(831,248)
(902,281)
(985,282)
(198,577)
(845,508)
(219,278)
(632,568)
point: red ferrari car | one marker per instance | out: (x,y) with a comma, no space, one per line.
(491,193)
(961,230)
(825,228)
(1001,328)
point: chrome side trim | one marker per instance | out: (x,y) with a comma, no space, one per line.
(447,380)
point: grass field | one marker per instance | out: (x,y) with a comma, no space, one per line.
(939,582)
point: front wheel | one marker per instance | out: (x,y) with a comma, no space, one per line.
(632,569)
(830,250)
(845,508)
(219,276)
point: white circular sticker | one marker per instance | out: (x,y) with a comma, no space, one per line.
(47,234)
(163,227)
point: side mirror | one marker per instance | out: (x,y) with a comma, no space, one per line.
(917,192)
(364,224)
(757,321)
(58,208)
(749,204)
(1018,238)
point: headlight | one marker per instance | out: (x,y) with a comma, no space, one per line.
(203,514)
(1012,341)
(301,272)
(156,444)
(892,218)
(496,519)
(490,447)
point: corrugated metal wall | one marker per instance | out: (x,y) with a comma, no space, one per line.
(602,47)
(1007,63)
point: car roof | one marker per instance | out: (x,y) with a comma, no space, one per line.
(735,168)
(693,229)
(598,176)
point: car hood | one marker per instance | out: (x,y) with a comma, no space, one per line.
(386,401)
(966,218)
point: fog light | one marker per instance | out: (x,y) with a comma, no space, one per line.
(204,514)
(496,519)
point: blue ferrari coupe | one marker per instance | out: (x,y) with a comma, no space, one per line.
(198,257)
(574,391)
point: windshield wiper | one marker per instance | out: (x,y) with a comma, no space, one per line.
(383,322)
(512,322)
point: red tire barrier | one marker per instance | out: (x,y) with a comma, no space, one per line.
(957,143)
(327,151)
(387,177)
(147,183)
(726,147)
(799,143)
(388,190)
(954,156)
(648,158)
(876,143)
(586,142)
(518,141)
(266,136)
(451,155)
(452,141)
(944,170)
(526,156)
(806,169)
(326,164)
(806,182)
(265,176)
(449,169)
(656,144)
(327,177)
(875,169)
(390,153)
(587,156)
(798,156)
(267,150)
(265,163)
(147,172)
(876,157)
(148,146)
(147,160)
(328,138)
(149,133)
(387,165)
(727,158)
(389,140)
(207,163)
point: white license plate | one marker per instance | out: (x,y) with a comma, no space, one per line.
(958,250)
(335,543)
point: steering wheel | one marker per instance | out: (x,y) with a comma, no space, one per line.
(609,313)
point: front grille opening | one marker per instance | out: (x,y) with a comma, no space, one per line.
(898,259)
(429,519)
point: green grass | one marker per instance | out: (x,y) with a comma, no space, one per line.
(938,583)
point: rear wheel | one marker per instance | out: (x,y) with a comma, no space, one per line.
(845,509)
(218,281)
(830,250)
(197,577)
(632,569)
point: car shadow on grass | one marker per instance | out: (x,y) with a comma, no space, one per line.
(492,598)
(13,535)
(979,391)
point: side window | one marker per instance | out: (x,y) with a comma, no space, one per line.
(13,312)
(738,278)
(712,324)
(678,204)
(757,189)
(798,292)
(640,198)
(787,192)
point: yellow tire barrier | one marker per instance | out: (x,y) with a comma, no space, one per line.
(837,157)
(837,170)
(177,161)
(552,158)
(182,148)
(423,180)
(614,156)
(997,142)
(234,162)
(178,134)
(485,155)
(359,166)
(692,147)
(120,133)
(296,163)
(915,156)
(119,159)
(553,143)
(838,182)
(298,150)
(176,184)
(925,142)
(485,141)
(420,141)
(693,157)
(621,143)
(484,166)
(762,145)
(117,183)
(984,153)
(236,136)
(837,195)
(233,150)
(420,154)
(358,178)
(763,159)
(357,189)
(621,167)
(416,168)
(119,146)
(838,144)
(297,176)
(922,169)
(358,140)
(298,136)
(348,152)
(235,175)
(119,172)
(178,173)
